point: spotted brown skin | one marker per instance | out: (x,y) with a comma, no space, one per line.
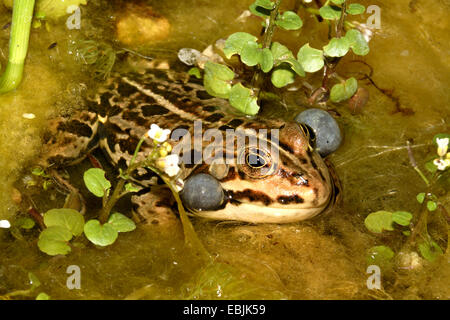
(288,182)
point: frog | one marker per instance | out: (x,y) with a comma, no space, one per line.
(288,181)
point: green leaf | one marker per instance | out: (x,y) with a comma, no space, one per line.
(343,91)
(236,42)
(431,167)
(34,281)
(282,76)
(357,42)
(24,223)
(296,66)
(194,71)
(330,12)
(217,79)
(355,8)
(101,235)
(430,250)
(131,188)
(70,219)
(266,60)
(379,221)
(251,54)
(95,181)
(280,52)
(311,59)
(121,223)
(431,205)
(337,47)
(219,71)
(242,99)
(380,255)
(289,20)
(53,240)
(259,11)
(402,218)
(43,296)
(406,233)
(266,4)
(420,197)
(338,2)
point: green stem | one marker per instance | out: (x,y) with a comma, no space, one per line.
(18,47)
(266,44)
(117,193)
(190,236)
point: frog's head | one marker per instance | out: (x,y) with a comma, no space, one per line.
(284,182)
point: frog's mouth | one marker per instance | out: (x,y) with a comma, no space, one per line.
(250,212)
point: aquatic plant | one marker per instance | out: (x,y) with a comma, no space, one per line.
(62,225)
(20,35)
(418,236)
(276,60)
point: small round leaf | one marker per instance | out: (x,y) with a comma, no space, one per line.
(402,218)
(311,59)
(337,47)
(357,42)
(420,197)
(289,20)
(330,12)
(242,99)
(343,91)
(235,43)
(70,219)
(95,181)
(54,240)
(266,60)
(101,235)
(282,76)
(379,221)
(430,250)
(251,54)
(355,8)
(121,223)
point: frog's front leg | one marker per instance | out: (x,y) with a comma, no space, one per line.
(156,207)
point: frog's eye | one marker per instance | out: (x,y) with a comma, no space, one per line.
(256,163)
(255,160)
(309,133)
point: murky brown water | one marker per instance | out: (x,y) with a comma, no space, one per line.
(324,258)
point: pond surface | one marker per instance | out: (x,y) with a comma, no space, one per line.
(322,258)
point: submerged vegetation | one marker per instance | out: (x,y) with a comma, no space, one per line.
(417,233)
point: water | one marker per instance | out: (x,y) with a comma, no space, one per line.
(324,258)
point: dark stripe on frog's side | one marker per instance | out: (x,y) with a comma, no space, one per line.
(290,199)
(251,195)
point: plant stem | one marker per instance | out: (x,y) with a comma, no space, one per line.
(267,40)
(413,162)
(271,27)
(18,47)
(117,193)
(190,236)
(340,26)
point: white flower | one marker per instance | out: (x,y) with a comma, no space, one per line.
(442,146)
(5,224)
(169,164)
(158,134)
(307,1)
(442,164)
